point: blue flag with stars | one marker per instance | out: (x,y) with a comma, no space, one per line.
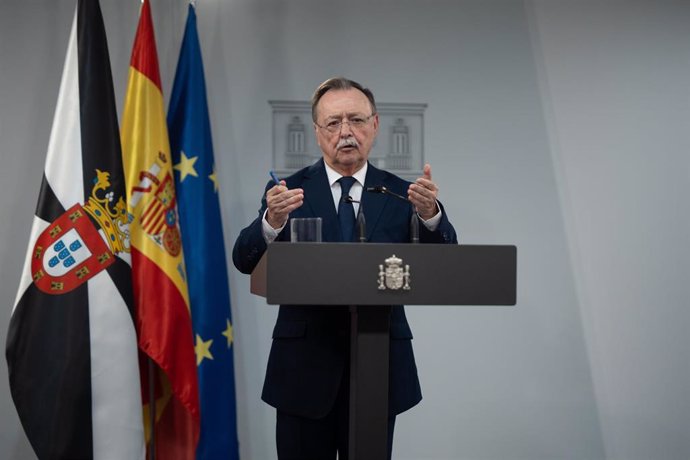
(202,239)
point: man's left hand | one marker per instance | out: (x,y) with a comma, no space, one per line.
(422,193)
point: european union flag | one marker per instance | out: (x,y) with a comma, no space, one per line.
(202,239)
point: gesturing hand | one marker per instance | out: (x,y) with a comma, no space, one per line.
(422,193)
(281,202)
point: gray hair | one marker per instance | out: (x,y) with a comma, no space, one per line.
(339,83)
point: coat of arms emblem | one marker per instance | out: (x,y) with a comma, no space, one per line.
(158,215)
(394,277)
(81,242)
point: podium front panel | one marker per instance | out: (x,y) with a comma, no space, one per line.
(378,274)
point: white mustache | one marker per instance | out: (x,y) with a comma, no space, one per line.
(347,142)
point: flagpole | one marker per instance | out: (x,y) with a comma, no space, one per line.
(152,411)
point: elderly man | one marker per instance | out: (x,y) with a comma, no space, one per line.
(307,374)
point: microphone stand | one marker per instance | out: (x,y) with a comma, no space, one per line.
(361,221)
(414,220)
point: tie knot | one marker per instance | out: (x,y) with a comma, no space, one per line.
(345,184)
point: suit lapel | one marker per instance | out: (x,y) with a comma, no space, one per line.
(319,200)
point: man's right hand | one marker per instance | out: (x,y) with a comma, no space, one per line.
(281,202)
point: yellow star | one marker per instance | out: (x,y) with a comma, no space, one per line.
(214,178)
(228,333)
(186,166)
(202,349)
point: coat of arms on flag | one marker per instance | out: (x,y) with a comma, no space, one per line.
(81,242)
(158,213)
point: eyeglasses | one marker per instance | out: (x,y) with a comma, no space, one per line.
(355,122)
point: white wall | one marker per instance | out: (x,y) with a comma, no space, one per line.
(615,86)
(560,127)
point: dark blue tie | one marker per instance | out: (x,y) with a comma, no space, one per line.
(346,212)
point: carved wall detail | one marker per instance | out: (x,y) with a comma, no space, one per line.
(399,147)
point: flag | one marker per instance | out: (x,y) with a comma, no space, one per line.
(161,299)
(71,346)
(202,238)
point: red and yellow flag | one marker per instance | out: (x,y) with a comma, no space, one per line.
(163,320)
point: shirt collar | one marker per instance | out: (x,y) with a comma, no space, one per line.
(359,176)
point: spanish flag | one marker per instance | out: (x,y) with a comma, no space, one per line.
(161,299)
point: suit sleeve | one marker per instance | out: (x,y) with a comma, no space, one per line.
(444,233)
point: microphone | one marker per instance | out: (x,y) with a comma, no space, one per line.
(361,226)
(361,221)
(414,220)
(382,189)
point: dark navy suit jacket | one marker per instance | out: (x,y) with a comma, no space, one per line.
(309,355)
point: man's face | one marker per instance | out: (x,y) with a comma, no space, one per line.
(347,148)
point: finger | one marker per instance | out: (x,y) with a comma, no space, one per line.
(279,192)
(414,194)
(430,190)
(422,195)
(427,171)
(420,199)
(277,188)
(278,211)
(278,202)
(421,190)
(292,206)
(292,199)
(275,191)
(426,183)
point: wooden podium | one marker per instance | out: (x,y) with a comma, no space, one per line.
(370,277)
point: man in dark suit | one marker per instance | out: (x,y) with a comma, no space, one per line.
(307,374)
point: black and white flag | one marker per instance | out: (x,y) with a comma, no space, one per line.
(71,346)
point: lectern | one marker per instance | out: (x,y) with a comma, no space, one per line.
(371,277)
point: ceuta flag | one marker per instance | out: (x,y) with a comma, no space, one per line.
(71,345)
(161,298)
